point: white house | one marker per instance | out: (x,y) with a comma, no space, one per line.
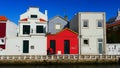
(31,39)
(7,29)
(91,27)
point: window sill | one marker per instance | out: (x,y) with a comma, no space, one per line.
(85,27)
(99,27)
(85,45)
(38,34)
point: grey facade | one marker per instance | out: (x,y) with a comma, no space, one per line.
(56,24)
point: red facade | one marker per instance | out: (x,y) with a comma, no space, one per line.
(64,42)
(2,33)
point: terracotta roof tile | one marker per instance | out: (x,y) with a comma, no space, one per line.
(113,24)
(42,20)
(25,19)
(3,18)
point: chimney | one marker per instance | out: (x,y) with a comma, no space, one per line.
(45,12)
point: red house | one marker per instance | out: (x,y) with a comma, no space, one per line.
(64,42)
(3,20)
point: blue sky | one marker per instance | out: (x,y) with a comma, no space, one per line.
(13,8)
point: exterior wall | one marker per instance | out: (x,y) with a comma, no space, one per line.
(14,45)
(11,29)
(60,37)
(113,49)
(36,40)
(92,32)
(7,29)
(74,23)
(32,27)
(33,21)
(34,10)
(56,20)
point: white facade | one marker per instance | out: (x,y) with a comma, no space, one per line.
(33,26)
(37,45)
(31,39)
(33,21)
(113,49)
(11,29)
(34,11)
(92,37)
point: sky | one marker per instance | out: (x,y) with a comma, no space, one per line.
(13,8)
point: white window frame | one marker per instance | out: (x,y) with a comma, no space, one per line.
(101,23)
(84,22)
(59,26)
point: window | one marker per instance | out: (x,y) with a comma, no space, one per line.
(33,16)
(57,26)
(39,29)
(32,47)
(99,40)
(85,23)
(2,41)
(86,41)
(26,29)
(99,23)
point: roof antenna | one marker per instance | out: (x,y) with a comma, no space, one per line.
(65,15)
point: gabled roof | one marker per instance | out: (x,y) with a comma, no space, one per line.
(3,18)
(64,30)
(59,17)
(116,23)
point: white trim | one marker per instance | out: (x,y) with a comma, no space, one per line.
(97,24)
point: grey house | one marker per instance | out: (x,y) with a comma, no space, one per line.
(56,24)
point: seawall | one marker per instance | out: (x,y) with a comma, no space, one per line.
(59,59)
